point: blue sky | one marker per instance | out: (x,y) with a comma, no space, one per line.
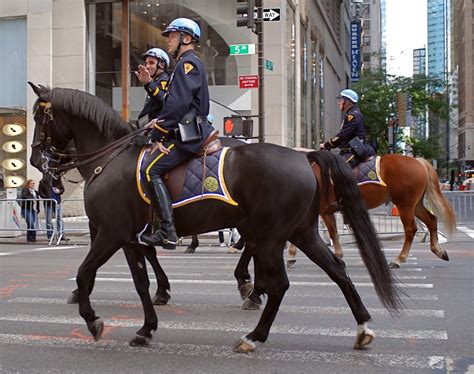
(406,31)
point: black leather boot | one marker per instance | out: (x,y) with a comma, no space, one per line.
(166,236)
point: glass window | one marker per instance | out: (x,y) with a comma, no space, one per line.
(321,97)
(304,88)
(313,133)
(291,44)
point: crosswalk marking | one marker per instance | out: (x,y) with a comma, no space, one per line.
(235,307)
(233,327)
(377,360)
(466,230)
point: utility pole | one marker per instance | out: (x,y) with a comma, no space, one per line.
(261,72)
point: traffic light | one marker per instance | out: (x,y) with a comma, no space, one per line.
(245,14)
(237,126)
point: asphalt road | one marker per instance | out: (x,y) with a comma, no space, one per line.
(313,332)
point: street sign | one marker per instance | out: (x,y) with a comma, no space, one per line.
(242,49)
(268,65)
(272,14)
(248,81)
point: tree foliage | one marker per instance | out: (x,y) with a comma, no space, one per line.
(378,92)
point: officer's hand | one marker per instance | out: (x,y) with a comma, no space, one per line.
(158,146)
(143,75)
(150,124)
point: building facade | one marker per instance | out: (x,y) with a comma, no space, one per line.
(463,63)
(78,44)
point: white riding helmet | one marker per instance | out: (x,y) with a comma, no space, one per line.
(159,54)
(350,94)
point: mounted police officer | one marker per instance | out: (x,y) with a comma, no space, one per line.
(351,139)
(179,132)
(154,78)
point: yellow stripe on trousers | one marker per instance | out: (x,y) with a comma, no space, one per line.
(154,161)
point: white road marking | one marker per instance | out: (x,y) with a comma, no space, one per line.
(42,249)
(227,275)
(292,292)
(234,307)
(233,327)
(313,284)
(466,230)
(212,352)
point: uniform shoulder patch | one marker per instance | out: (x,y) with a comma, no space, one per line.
(163,85)
(350,117)
(188,67)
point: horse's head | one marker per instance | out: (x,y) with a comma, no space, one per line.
(50,138)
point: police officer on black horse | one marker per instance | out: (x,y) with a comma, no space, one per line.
(179,132)
(351,139)
(154,78)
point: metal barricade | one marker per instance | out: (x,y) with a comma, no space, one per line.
(27,216)
(74,217)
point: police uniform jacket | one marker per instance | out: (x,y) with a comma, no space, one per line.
(353,125)
(155,94)
(187,89)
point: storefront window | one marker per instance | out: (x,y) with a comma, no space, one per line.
(304,88)
(291,68)
(321,97)
(147,20)
(314,95)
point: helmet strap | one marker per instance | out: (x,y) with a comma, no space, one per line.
(180,43)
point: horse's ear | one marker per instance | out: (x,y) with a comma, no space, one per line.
(40,90)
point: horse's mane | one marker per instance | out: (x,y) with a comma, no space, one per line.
(91,108)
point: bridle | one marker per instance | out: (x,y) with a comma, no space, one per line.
(50,154)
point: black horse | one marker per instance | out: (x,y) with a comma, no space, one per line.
(276,192)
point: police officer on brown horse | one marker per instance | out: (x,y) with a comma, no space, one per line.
(179,132)
(351,139)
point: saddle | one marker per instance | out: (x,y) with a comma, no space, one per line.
(174,178)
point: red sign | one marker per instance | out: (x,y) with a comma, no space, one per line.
(248,81)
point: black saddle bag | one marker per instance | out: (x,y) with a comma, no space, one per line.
(189,130)
(358,148)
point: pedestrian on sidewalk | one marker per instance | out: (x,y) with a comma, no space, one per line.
(30,209)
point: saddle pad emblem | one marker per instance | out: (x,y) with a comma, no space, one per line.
(369,172)
(211,184)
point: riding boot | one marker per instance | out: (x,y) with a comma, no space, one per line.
(165,236)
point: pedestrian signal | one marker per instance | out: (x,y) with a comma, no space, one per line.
(238,126)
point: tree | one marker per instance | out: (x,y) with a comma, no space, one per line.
(378,100)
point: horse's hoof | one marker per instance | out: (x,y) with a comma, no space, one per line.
(444,255)
(290,263)
(244,345)
(140,341)
(363,339)
(73,298)
(393,265)
(250,305)
(160,299)
(190,250)
(245,290)
(96,328)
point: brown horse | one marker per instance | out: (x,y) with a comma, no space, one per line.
(408,181)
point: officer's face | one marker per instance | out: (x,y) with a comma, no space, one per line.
(151,64)
(340,103)
(173,41)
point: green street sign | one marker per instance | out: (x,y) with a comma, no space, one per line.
(268,65)
(242,49)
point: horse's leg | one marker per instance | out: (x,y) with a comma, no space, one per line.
(102,248)
(330,222)
(254,301)
(407,216)
(162,295)
(313,246)
(431,223)
(74,297)
(194,244)
(291,256)
(272,266)
(241,273)
(136,263)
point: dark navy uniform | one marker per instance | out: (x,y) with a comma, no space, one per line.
(187,89)
(353,125)
(155,96)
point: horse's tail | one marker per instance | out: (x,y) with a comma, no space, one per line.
(437,202)
(348,194)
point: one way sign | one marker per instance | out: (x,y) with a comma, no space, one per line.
(271,14)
